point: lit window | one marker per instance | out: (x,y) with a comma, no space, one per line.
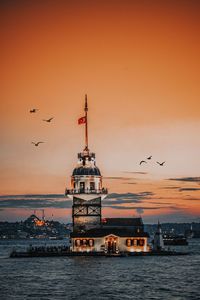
(84,242)
(141,242)
(77,243)
(134,242)
(91,243)
(128,242)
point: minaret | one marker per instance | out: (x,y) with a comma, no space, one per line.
(86,187)
(158,239)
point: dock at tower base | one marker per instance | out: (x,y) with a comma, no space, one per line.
(43,253)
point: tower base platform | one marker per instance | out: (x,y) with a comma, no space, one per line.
(55,253)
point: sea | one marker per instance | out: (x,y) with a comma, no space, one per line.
(103,278)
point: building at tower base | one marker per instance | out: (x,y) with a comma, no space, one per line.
(115,238)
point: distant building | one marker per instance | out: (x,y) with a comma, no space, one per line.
(90,231)
(34,221)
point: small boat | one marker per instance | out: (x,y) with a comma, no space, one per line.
(55,238)
(174,240)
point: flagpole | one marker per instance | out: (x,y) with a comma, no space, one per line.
(86,124)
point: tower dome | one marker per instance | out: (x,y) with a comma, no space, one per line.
(80,171)
(86,177)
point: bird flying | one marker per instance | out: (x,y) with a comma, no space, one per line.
(33,110)
(150,157)
(48,120)
(161,164)
(143,161)
(36,144)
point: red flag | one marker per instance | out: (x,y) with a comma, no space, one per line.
(82,120)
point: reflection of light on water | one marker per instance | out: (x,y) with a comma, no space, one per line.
(106,276)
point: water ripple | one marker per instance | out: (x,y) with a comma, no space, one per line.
(99,278)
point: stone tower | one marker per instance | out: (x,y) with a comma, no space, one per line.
(86,187)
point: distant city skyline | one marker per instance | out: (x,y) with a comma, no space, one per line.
(139,65)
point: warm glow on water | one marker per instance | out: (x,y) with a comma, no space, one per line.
(139,64)
(59,278)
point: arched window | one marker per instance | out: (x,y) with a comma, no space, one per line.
(141,242)
(84,242)
(128,242)
(91,242)
(134,242)
(77,243)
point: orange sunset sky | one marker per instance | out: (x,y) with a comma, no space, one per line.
(139,63)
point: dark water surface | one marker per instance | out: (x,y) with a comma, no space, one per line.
(103,278)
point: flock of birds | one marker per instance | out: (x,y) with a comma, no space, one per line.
(36,144)
(34,110)
(149,158)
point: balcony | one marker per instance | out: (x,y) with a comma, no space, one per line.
(85,191)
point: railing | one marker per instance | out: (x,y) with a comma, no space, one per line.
(85,191)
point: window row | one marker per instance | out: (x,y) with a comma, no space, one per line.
(85,242)
(135,242)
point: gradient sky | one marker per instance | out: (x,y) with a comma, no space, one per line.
(139,63)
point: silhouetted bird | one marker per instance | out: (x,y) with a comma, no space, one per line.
(161,164)
(143,161)
(33,110)
(37,144)
(48,120)
(150,157)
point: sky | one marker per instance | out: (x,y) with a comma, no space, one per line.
(139,63)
